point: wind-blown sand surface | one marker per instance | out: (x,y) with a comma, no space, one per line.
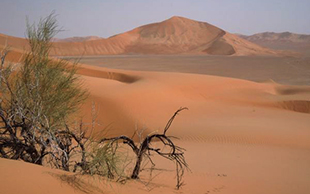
(240,136)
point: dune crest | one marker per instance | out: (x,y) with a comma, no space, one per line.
(107,74)
(177,35)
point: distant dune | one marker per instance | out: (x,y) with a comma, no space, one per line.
(77,39)
(283,41)
(13,42)
(278,37)
(176,35)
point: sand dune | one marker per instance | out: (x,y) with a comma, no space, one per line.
(20,177)
(14,55)
(150,98)
(278,37)
(77,39)
(176,35)
(96,72)
(240,136)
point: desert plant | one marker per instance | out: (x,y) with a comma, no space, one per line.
(143,150)
(38,98)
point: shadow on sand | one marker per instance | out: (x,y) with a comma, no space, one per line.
(76,182)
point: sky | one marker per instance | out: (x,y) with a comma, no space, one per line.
(105,18)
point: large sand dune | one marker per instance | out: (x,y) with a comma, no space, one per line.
(176,35)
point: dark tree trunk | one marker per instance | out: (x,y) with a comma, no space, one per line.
(136,170)
(172,152)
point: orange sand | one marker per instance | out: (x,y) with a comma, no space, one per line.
(240,136)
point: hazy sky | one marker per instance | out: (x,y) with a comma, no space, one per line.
(109,17)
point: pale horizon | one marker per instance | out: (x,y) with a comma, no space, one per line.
(107,18)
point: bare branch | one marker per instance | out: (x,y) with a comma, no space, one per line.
(172,118)
(173,153)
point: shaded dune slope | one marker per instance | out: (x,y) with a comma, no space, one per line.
(98,72)
(282,41)
(176,35)
(284,37)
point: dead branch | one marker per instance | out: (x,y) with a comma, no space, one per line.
(172,152)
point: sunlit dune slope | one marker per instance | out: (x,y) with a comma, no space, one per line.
(220,109)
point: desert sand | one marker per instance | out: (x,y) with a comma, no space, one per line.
(240,136)
(243,132)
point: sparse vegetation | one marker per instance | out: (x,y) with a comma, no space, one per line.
(38,102)
(170,151)
(38,99)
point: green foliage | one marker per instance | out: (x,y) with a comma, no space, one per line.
(38,98)
(49,88)
(103,160)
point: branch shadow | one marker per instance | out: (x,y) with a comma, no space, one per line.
(76,183)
